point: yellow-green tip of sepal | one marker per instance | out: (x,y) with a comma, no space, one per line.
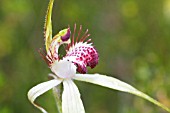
(48,26)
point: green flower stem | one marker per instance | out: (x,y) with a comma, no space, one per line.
(57,91)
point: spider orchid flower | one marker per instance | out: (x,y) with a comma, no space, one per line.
(80,53)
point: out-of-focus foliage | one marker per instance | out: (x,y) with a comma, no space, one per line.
(131,36)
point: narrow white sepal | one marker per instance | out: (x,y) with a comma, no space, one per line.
(41,88)
(71,101)
(116,84)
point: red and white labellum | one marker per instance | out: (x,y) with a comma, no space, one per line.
(83,55)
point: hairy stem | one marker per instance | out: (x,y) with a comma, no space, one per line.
(57,91)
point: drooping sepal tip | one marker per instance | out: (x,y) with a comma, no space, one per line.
(113,83)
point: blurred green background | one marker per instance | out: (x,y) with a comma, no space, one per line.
(131,36)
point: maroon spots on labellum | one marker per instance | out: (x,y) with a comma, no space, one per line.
(85,55)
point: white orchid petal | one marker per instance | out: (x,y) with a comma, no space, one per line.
(116,84)
(71,101)
(41,88)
